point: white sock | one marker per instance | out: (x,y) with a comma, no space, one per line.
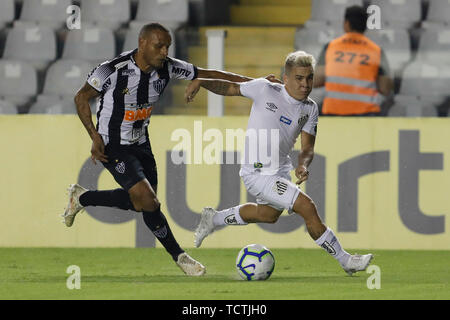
(331,244)
(229,216)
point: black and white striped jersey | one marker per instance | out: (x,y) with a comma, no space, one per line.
(128,95)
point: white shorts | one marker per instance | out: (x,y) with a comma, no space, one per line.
(276,191)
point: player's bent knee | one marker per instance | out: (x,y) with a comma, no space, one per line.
(144,201)
(268,215)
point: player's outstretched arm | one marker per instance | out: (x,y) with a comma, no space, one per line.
(229,76)
(221,75)
(220,87)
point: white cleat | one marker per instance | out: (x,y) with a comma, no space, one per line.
(357,263)
(74,206)
(190,266)
(205,227)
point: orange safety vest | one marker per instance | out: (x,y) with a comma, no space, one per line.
(352,64)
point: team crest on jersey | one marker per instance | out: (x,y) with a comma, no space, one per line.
(120,167)
(280,187)
(303,119)
(159,85)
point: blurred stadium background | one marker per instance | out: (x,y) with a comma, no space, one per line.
(54,60)
(380,183)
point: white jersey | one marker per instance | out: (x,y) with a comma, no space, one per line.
(128,95)
(276,120)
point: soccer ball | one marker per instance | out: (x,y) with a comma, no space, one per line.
(255,262)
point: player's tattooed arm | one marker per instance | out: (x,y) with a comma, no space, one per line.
(220,87)
(229,76)
(221,75)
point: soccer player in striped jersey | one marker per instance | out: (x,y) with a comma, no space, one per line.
(127,88)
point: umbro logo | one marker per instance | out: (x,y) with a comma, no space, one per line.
(271,107)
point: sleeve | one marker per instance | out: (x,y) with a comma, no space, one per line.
(179,69)
(384,65)
(253,88)
(99,77)
(313,119)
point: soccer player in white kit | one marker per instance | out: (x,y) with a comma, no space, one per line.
(281,112)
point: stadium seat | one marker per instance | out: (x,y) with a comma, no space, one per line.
(402,14)
(91,44)
(395,43)
(438,14)
(7,107)
(131,41)
(66,106)
(423,78)
(18,82)
(434,45)
(423,88)
(50,13)
(109,14)
(6,12)
(170,13)
(314,40)
(413,106)
(34,44)
(329,13)
(65,77)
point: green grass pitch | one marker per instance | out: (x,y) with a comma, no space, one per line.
(40,273)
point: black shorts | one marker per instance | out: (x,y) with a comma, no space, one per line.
(130,164)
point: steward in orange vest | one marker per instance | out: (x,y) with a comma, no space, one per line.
(354,70)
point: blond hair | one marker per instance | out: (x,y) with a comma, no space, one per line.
(299,59)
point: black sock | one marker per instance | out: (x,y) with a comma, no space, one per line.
(117,198)
(157,223)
